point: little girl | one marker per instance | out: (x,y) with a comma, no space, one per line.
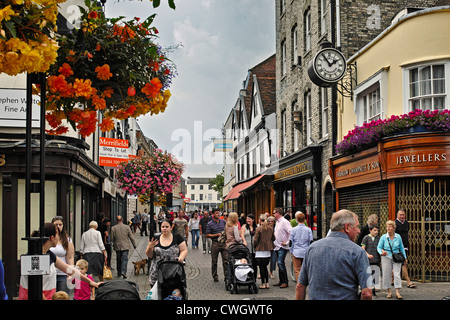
(82,289)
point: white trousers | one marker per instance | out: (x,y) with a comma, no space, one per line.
(388,266)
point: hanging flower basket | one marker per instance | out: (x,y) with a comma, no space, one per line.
(107,65)
(369,134)
(156,175)
(25,29)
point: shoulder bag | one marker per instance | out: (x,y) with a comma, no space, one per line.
(397,257)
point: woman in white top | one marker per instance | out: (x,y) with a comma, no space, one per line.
(194,227)
(64,250)
(93,250)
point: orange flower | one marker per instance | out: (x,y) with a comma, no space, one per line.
(106,125)
(53,119)
(152,89)
(83,88)
(58,131)
(131,110)
(108,92)
(93,15)
(99,103)
(98,47)
(65,70)
(58,84)
(103,72)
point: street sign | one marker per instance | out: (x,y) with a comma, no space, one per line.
(223,145)
(35,265)
(187,199)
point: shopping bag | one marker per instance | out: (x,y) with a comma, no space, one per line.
(153,293)
(107,274)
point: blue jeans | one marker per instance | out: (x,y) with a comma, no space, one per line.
(195,237)
(122,262)
(282,271)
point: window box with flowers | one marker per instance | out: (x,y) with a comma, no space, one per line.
(370,133)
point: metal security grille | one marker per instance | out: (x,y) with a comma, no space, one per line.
(427,206)
(366,200)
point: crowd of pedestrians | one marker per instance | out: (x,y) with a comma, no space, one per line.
(349,263)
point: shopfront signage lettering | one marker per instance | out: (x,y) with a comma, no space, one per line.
(87,174)
(359,169)
(13,107)
(421,158)
(294,170)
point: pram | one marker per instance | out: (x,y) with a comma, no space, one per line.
(239,273)
(171,276)
(117,290)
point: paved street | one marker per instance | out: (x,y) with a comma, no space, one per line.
(200,285)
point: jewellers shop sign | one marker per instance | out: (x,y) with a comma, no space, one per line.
(13,108)
(112,152)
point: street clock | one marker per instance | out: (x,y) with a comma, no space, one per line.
(327,67)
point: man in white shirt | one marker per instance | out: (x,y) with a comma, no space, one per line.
(282,233)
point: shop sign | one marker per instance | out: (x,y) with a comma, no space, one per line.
(417,158)
(13,108)
(375,165)
(293,171)
(112,152)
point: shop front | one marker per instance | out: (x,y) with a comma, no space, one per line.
(297,186)
(73,190)
(410,172)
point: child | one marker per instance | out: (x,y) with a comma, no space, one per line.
(82,289)
(370,243)
(242,269)
(60,295)
(176,295)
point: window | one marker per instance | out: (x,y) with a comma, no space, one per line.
(192,197)
(283,58)
(324,110)
(296,131)
(372,105)
(201,197)
(282,6)
(192,187)
(209,187)
(427,87)
(308,30)
(209,197)
(370,97)
(308,117)
(201,187)
(294,46)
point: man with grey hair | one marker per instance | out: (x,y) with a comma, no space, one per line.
(335,267)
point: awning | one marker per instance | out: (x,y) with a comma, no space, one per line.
(236,191)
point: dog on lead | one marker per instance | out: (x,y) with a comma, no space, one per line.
(138,265)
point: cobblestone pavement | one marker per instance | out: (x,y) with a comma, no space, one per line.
(200,284)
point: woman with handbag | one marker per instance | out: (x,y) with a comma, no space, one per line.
(393,254)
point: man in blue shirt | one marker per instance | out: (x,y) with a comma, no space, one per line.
(213,230)
(335,267)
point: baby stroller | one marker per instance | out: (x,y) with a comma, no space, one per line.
(171,276)
(240,272)
(117,290)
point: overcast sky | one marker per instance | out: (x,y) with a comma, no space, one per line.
(220,41)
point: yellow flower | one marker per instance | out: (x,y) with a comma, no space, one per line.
(32,60)
(6,13)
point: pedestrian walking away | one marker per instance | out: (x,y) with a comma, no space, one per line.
(263,242)
(121,237)
(300,238)
(335,267)
(145,218)
(213,230)
(93,250)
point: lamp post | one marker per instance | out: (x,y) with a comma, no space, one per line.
(34,243)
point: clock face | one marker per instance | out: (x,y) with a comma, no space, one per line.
(330,65)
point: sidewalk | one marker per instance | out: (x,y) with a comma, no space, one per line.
(200,284)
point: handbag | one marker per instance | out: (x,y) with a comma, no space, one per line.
(222,238)
(107,274)
(153,294)
(397,257)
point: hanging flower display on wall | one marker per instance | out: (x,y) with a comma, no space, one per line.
(25,35)
(157,175)
(370,133)
(107,65)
